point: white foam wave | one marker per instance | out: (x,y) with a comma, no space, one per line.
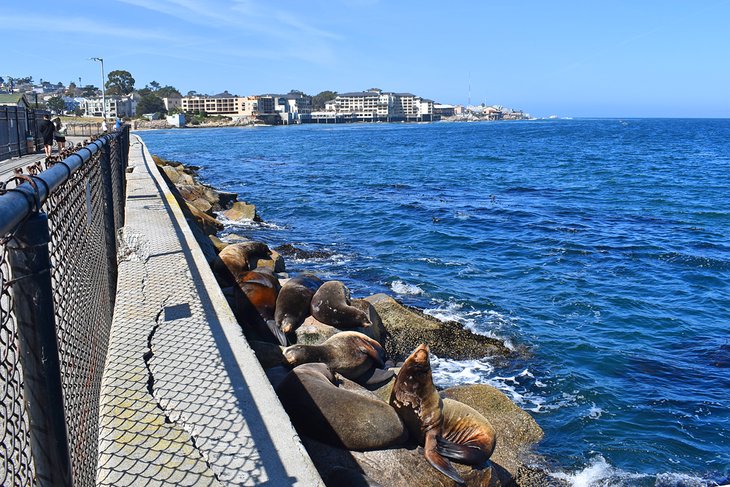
(401,287)
(594,412)
(472,319)
(598,472)
(449,373)
(247,223)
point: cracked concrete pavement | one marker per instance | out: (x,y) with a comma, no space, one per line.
(184,400)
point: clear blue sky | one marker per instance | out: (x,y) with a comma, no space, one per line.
(615,58)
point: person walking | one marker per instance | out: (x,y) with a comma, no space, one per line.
(46,128)
(118,124)
(59,134)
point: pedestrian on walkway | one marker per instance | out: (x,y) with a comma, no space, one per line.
(118,124)
(59,134)
(46,128)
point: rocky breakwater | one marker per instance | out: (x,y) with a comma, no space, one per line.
(337,364)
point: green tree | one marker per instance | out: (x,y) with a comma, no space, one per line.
(89,90)
(321,98)
(120,82)
(150,103)
(71,89)
(154,85)
(168,92)
(56,104)
(144,91)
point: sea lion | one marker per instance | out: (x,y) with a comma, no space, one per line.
(255,297)
(348,353)
(445,428)
(238,258)
(331,305)
(339,417)
(293,303)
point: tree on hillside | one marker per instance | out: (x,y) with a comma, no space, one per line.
(89,90)
(154,86)
(2,80)
(71,89)
(150,103)
(56,104)
(120,82)
(321,98)
(168,92)
(144,91)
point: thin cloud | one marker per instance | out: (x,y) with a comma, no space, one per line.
(71,25)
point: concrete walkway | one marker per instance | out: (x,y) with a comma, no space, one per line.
(7,166)
(184,400)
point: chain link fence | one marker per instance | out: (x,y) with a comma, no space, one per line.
(58,283)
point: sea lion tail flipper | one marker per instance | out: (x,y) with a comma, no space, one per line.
(276,331)
(468,455)
(374,351)
(439,462)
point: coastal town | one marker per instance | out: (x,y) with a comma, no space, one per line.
(167,107)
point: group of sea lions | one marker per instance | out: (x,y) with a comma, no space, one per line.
(341,391)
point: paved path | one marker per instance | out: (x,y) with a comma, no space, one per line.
(184,400)
(7,166)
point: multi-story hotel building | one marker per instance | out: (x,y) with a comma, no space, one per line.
(377,106)
(220,104)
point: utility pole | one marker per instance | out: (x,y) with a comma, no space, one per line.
(103,91)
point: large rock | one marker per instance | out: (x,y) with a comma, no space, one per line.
(516,430)
(314,332)
(275,262)
(407,327)
(208,224)
(177,176)
(241,211)
(398,467)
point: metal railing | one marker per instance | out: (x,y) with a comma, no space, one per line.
(57,288)
(18,131)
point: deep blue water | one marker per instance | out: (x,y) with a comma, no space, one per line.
(603,246)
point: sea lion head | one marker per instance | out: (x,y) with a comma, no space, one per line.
(297,354)
(288,323)
(419,361)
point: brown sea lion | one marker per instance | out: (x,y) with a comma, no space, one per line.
(348,353)
(445,428)
(293,303)
(237,259)
(255,297)
(331,305)
(340,417)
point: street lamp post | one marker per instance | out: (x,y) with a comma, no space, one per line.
(103,91)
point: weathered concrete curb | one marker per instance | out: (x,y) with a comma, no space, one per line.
(184,400)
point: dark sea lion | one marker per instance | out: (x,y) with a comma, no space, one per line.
(445,428)
(331,305)
(348,353)
(294,301)
(255,297)
(339,417)
(237,258)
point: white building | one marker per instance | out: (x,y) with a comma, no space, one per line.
(376,105)
(116,106)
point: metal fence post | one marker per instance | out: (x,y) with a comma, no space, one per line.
(30,265)
(110,230)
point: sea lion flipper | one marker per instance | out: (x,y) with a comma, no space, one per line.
(439,462)
(374,351)
(468,455)
(276,331)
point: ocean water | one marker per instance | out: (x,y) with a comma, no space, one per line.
(600,246)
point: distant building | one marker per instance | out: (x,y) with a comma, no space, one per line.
(444,110)
(380,106)
(172,103)
(116,106)
(176,120)
(221,104)
(15,100)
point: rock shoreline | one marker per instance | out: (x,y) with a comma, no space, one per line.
(399,329)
